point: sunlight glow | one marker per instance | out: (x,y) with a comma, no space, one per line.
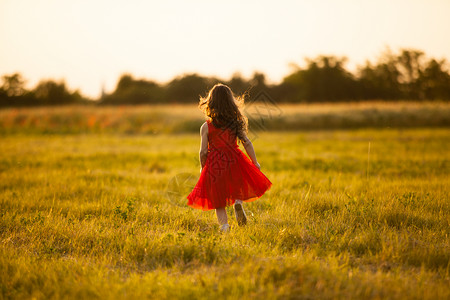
(90,43)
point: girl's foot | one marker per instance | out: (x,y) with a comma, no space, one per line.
(225,228)
(241,218)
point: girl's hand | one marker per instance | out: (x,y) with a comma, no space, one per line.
(258,166)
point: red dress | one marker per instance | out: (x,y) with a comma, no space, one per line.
(228,174)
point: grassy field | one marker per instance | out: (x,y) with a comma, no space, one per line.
(360,213)
(151,119)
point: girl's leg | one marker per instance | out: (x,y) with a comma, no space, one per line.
(222,215)
(223,219)
(239,212)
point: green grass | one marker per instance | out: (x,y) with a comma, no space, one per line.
(89,216)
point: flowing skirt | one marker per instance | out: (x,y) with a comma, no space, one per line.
(228,175)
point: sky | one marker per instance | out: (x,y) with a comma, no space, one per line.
(90,43)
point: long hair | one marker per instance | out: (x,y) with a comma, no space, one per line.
(222,107)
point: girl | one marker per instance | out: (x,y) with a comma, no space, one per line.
(227,176)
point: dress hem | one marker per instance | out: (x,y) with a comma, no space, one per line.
(229,202)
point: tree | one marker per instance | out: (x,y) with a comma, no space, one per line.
(324,79)
(13,92)
(13,85)
(134,91)
(382,80)
(435,80)
(410,66)
(188,88)
(49,92)
(238,84)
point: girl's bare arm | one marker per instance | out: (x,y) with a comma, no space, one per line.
(203,144)
(248,146)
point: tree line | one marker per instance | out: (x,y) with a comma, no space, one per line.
(47,92)
(406,75)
